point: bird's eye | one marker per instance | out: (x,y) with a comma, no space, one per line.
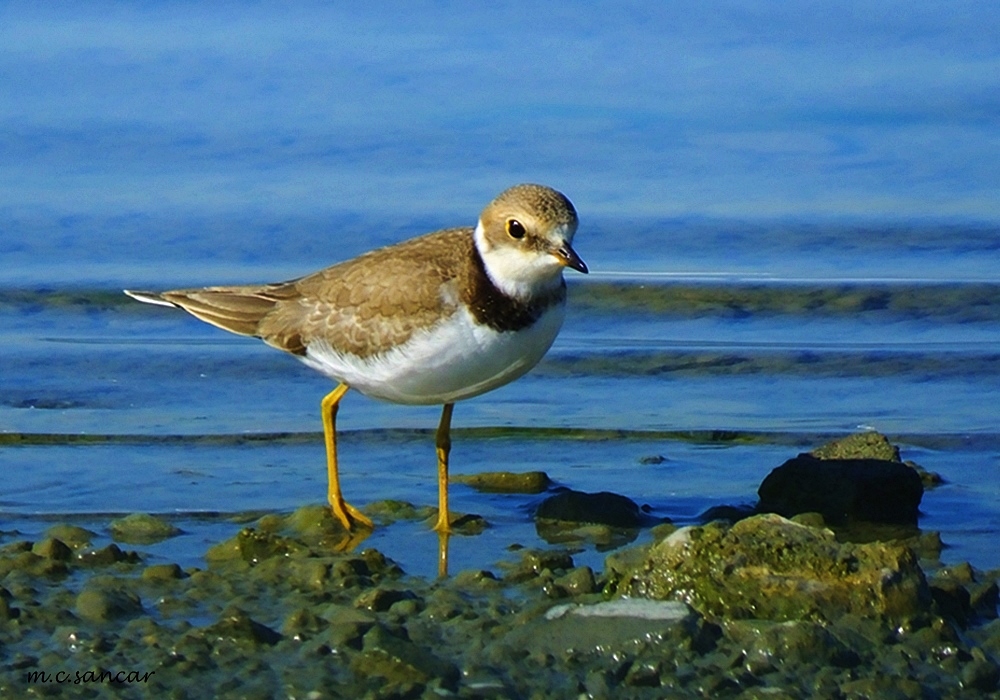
(515,228)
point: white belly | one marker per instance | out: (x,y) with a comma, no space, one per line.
(455,360)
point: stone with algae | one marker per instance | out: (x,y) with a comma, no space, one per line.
(768,567)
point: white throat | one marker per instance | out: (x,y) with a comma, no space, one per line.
(518,273)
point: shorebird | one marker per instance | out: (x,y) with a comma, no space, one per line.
(432,320)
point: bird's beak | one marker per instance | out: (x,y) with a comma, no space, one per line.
(568,257)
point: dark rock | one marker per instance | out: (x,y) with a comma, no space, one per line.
(981,675)
(984,598)
(101,605)
(105,556)
(505,482)
(873,445)
(843,490)
(536,561)
(730,513)
(400,662)
(234,625)
(768,645)
(602,508)
(52,548)
(952,600)
(381,599)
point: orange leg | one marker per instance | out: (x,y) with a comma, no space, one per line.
(443,443)
(347,514)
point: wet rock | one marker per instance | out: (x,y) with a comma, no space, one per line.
(603,538)
(984,598)
(809,520)
(536,561)
(767,567)
(982,675)
(927,545)
(620,627)
(7,611)
(336,614)
(400,662)
(872,445)
(106,556)
(51,548)
(252,547)
(29,563)
(313,523)
(381,599)
(71,535)
(866,445)
(236,626)
(961,596)
(467,524)
(388,511)
(142,528)
(843,491)
(952,600)
(476,580)
(577,582)
(768,646)
(100,604)
(726,512)
(602,508)
(505,482)
(163,572)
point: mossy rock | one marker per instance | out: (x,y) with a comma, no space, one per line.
(142,528)
(866,445)
(505,482)
(767,567)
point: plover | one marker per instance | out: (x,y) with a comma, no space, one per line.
(433,320)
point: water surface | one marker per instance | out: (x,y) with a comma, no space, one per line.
(791,220)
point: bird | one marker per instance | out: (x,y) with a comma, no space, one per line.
(432,320)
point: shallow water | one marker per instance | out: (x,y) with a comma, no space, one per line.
(111,407)
(790,240)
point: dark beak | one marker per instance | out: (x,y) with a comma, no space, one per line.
(569,258)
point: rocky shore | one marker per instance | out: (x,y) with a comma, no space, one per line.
(816,593)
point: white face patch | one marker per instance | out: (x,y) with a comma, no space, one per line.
(518,272)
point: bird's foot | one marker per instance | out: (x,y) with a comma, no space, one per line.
(350,517)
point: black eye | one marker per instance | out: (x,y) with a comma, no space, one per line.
(515,228)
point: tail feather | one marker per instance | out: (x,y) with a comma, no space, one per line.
(235,309)
(149,298)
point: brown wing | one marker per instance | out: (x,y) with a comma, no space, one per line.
(377,300)
(360,306)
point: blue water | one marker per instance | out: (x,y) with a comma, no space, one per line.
(710,151)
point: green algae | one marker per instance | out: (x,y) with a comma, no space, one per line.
(767,567)
(285,608)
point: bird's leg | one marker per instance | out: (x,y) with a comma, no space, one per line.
(443,536)
(443,443)
(347,514)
